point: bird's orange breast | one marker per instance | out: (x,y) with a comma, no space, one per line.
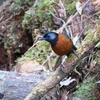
(63,46)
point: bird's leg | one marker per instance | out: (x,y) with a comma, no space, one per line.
(64,59)
(61,65)
(75,53)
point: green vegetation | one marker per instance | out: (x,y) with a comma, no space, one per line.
(71,8)
(85,90)
(23,2)
(69,1)
(37,14)
(39,53)
(19,5)
(10,41)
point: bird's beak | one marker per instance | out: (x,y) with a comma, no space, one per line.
(41,38)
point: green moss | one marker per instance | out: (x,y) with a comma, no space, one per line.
(23,2)
(88,31)
(85,89)
(98,30)
(23,58)
(37,14)
(10,41)
(71,8)
(43,49)
(19,5)
(69,1)
(39,53)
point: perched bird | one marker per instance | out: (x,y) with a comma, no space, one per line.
(61,45)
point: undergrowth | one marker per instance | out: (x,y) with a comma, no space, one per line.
(37,14)
(39,53)
(86,90)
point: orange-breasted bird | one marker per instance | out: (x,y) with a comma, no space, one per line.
(61,45)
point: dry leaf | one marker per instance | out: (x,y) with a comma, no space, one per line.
(66,82)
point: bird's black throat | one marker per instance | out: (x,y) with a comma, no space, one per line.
(53,43)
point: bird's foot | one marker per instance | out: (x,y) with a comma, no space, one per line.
(62,68)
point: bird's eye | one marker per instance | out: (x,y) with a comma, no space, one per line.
(48,36)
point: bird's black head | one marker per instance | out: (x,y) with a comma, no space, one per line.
(51,37)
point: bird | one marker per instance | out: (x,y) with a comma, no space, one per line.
(60,44)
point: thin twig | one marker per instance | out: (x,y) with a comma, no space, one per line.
(48,58)
(74,15)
